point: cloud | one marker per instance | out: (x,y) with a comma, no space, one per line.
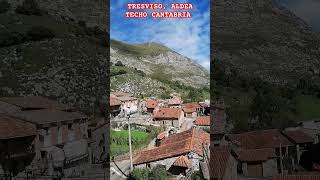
(189,37)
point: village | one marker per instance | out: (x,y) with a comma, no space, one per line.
(181,142)
(58,142)
(190,147)
(41,138)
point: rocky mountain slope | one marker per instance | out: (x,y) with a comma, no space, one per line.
(71,67)
(157,60)
(260,38)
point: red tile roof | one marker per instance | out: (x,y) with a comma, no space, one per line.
(114,101)
(46,116)
(202,121)
(297,177)
(219,157)
(167,113)
(271,138)
(218,123)
(11,127)
(191,107)
(161,135)
(249,155)
(183,161)
(151,103)
(189,110)
(35,102)
(298,136)
(175,145)
(118,94)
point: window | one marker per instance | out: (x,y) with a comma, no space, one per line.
(89,133)
(69,126)
(47,130)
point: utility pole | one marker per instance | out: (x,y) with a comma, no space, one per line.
(130,149)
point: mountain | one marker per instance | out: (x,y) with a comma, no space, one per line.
(158,61)
(40,55)
(260,38)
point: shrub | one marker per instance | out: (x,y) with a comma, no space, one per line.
(37,33)
(4,6)
(139,174)
(119,63)
(29,7)
(158,173)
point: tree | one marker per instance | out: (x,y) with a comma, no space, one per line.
(4,6)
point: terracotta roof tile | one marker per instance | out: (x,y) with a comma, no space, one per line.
(298,136)
(151,103)
(46,116)
(35,102)
(183,161)
(219,157)
(202,121)
(167,113)
(271,138)
(247,155)
(114,101)
(175,145)
(11,127)
(118,94)
(297,177)
(161,135)
(191,107)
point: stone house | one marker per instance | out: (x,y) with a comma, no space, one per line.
(302,141)
(264,139)
(222,165)
(59,129)
(175,102)
(192,110)
(151,105)
(257,162)
(128,102)
(312,128)
(16,144)
(218,125)
(169,116)
(178,153)
(202,122)
(115,106)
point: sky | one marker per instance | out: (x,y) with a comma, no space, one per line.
(189,37)
(308,10)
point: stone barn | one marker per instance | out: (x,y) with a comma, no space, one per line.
(178,153)
(169,116)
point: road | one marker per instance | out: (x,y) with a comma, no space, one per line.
(115,173)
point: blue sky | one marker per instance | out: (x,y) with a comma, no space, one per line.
(308,10)
(189,37)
